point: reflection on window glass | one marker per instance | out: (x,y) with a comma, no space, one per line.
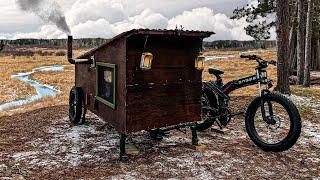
(106,83)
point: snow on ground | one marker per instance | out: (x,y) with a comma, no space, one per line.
(66,145)
(227,154)
(315,74)
(311,134)
(310,102)
(91,150)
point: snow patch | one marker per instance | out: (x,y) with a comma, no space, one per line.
(70,145)
(311,134)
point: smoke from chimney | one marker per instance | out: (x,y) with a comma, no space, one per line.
(47,10)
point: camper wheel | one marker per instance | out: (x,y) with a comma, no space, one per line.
(76,111)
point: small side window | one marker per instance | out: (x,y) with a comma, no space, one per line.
(106,84)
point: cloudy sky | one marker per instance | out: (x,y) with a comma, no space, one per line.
(107,18)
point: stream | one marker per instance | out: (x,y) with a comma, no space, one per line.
(41,89)
(209,58)
(46,91)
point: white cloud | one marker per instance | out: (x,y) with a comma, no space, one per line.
(105,29)
(150,19)
(107,18)
(83,11)
(204,19)
(99,28)
(46,32)
(3,37)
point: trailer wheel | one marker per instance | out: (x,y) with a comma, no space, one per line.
(76,111)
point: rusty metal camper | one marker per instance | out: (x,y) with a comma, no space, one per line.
(140,80)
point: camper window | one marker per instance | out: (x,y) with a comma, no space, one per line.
(106,83)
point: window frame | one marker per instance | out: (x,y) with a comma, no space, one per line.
(114,78)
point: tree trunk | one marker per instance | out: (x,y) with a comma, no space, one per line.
(318,55)
(308,55)
(301,41)
(292,44)
(1,45)
(283,26)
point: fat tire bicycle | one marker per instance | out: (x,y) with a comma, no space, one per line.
(268,116)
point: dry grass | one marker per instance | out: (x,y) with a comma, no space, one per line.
(236,68)
(14,89)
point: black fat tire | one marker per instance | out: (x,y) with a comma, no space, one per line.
(76,110)
(295,123)
(206,124)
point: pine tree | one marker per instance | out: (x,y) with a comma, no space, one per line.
(1,45)
(308,55)
(258,27)
(301,41)
(283,26)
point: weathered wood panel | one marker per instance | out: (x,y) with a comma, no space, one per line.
(169,93)
(115,53)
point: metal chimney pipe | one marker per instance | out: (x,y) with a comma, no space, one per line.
(69,47)
(70,54)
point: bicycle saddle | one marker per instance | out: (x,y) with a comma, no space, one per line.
(215,72)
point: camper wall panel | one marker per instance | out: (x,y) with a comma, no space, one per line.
(164,75)
(86,77)
(151,117)
(168,53)
(163,105)
(169,93)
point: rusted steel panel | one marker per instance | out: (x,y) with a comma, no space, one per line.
(86,77)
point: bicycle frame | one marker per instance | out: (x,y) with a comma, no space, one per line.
(260,78)
(222,91)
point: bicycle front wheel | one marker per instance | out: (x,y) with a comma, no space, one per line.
(273,122)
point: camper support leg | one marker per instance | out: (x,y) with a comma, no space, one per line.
(123,156)
(195,139)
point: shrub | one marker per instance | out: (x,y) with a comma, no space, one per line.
(60,53)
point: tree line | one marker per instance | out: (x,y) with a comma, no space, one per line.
(297,26)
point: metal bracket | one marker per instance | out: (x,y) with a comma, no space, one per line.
(195,140)
(123,157)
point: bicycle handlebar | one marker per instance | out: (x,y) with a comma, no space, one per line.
(258,59)
(250,57)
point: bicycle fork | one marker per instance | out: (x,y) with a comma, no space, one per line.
(261,94)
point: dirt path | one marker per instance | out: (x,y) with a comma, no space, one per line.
(42,144)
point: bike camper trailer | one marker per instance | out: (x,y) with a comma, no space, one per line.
(140,80)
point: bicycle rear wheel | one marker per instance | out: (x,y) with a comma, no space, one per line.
(208,101)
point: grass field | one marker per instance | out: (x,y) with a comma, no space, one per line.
(236,68)
(38,142)
(13,89)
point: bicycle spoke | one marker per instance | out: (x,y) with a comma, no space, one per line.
(275,127)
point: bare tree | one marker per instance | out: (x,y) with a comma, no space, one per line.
(318,55)
(292,49)
(283,26)
(301,41)
(308,49)
(1,45)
